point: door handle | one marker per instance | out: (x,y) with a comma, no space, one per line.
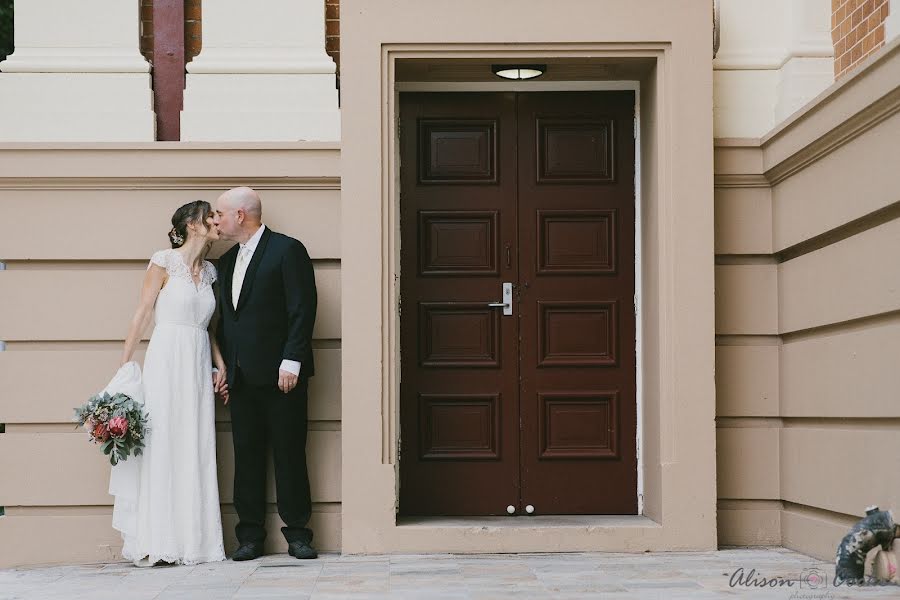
(506,305)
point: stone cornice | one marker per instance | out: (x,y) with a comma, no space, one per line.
(838,115)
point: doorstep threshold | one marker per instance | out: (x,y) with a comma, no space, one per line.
(530,522)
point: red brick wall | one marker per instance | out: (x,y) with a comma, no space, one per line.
(333,30)
(192,37)
(147,29)
(857,30)
(192,29)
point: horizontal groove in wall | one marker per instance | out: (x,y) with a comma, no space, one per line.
(841,327)
(748,504)
(222,426)
(329,425)
(118,265)
(168,183)
(748,180)
(730,142)
(272,508)
(814,511)
(748,340)
(847,230)
(326,344)
(76,265)
(78,511)
(748,422)
(45,428)
(745,259)
(161,148)
(88,345)
(868,424)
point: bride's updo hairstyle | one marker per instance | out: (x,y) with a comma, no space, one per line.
(192,212)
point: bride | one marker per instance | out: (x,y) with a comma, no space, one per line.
(167,500)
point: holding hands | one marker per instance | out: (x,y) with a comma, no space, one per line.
(220,383)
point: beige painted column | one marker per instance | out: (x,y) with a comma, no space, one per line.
(262,74)
(76,74)
(775,56)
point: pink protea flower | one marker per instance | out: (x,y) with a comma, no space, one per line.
(118,427)
(101,432)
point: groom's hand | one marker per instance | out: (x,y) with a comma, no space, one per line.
(286,381)
(220,385)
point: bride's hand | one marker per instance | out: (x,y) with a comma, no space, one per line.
(220,383)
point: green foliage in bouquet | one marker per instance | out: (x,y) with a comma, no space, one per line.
(118,423)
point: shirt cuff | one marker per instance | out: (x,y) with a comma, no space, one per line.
(291,366)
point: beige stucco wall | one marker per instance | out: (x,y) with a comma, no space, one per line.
(807,326)
(804,309)
(83,220)
(677,273)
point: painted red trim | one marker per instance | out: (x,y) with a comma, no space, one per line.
(168,67)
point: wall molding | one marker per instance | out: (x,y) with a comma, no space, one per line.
(846,132)
(168,183)
(741,180)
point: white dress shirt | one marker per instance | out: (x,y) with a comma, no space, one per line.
(245,255)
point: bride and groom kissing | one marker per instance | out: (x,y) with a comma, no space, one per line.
(245,340)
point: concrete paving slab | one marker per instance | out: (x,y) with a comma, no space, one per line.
(730,574)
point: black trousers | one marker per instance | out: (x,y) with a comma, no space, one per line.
(260,417)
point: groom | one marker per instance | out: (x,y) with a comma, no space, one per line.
(267,308)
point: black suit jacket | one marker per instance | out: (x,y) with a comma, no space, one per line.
(275,313)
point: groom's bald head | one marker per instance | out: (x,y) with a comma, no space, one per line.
(238,213)
(245,199)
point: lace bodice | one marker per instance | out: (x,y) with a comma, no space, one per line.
(172,261)
(182,301)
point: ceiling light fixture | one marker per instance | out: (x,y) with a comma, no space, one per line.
(518,71)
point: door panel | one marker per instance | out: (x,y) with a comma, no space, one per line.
(577,322)
(535,189)
(459,450)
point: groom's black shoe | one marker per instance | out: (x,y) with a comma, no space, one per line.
(301,549)
(248,551)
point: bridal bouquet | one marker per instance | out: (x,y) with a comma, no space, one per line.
(117,422)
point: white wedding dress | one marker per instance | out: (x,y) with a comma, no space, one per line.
(167,500)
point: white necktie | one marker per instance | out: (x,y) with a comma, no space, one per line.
(237,279)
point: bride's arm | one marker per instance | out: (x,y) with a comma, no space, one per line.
(219,378)
(153,282)
(218,361)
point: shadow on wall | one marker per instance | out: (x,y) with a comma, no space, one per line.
(6,28)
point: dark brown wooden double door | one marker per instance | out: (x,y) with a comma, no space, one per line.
(532,403)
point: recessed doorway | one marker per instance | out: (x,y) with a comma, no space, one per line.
(517,326)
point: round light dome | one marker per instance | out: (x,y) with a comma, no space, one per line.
(518,72)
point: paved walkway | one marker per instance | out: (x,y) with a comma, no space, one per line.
(457,577)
